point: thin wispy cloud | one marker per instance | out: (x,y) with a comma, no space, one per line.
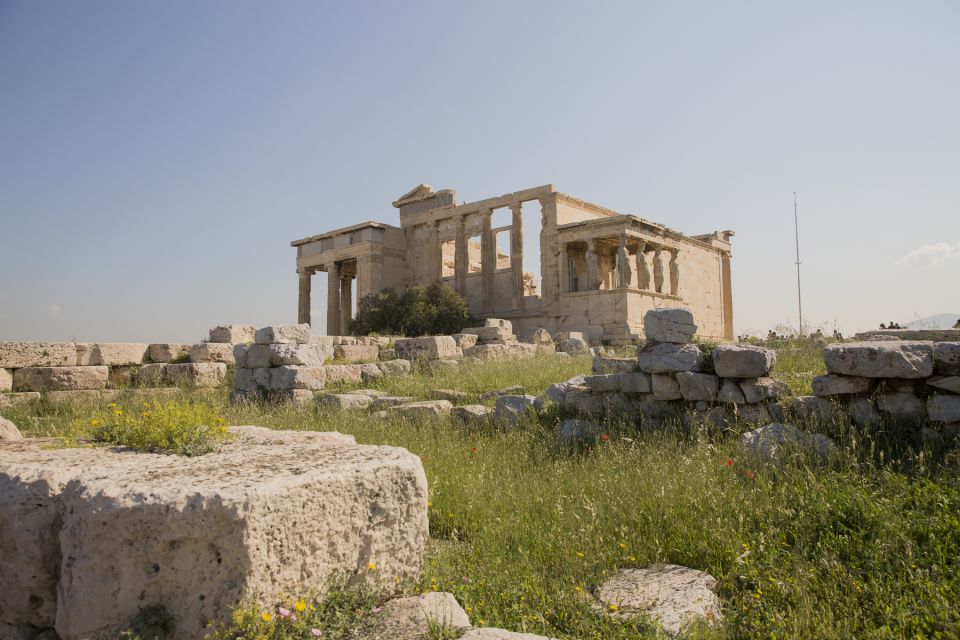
(53,310)
(930,254)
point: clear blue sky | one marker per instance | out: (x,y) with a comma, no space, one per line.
(157,158)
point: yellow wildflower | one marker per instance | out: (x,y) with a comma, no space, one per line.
(579,554)
(612,607)
(372,566)
(300,605)
(266,616)
(94,422)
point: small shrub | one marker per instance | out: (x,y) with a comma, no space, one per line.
(707,347)
(153,622)
(184,428)
(183,358)
(418,311)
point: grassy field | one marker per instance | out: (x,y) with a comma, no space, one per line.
(524,530)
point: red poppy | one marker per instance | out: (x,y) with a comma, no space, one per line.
(473,450)
(728,463)
(749,474)
(605,436)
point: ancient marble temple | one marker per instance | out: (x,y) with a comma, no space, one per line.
(600,270)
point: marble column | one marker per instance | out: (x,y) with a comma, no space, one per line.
(303,306)
(333,299)
(346,303)
(593,266)
(488,259)
(674,273)
(461,257)
(436,251)
(516,255)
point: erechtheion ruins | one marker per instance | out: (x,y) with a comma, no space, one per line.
(600,270)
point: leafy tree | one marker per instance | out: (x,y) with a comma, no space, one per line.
(433,310)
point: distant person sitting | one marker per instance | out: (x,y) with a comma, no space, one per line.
(956,325)
(883,326)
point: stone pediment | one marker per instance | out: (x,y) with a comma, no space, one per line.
(418,193)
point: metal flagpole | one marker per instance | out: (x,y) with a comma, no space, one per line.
(796,235)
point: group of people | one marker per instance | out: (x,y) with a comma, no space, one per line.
(894,325)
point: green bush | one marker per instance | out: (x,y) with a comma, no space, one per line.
(418,311)
(184,428)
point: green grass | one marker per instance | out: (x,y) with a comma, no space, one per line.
(523,530)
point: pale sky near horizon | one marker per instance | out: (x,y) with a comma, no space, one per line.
(156,159)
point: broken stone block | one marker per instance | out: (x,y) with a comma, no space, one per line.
(245,381)
(635,382)
(111,354)
(271,514)
(344,401)
(902,406)
(356,353)
(373,393)
(946,383)
(18,399)
(743,361)
(698,386)
(122,377)
(465,340)
(574,346)
(385,402)
(413,617)
(944,408)
(370,372)
(283,334)
(510,409)
(557,392)
(493,633)
(764,389)
(502,391)
(299,397)
(471,412)
(9,431)
(666,357)
(153,375)
(946,358)
(730,392)
(453,395)
(665,387)
(752,413)
(212,352)
(863,412)
(895,359)
(673,596)
(601,383)
(811,408)
(834,385)
(168,352)
(774,441)
(290,377)
(307,355)
(233,334)
(607,364)
(397,367)
(204,375)
(6,380)
(424,409)
(17,355)
(343,374)
(574,431)
(669,325)
(506,325)
(427,348)
(260,356)
(60,378)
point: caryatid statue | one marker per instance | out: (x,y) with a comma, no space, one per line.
(674,273)
(643,269)
(658,270)
(593,266)
(624,272)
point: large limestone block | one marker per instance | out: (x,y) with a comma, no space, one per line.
(499,323)
(946,383)
(396,367)
(492,334)
(17,355)
(111,354)
(730,392)
(672,595)
(245,381)
(635,382)
(428,348)
(9,431)
(944,408)
(355,353)
(92,536)
(465,340)
(897,359)
(385,402)
(494,351)
(308,355)
(493,633)
(574,431)
(425,409)
(946,357)
(153,375)
(290,377)
(233,333)
(601,383)
(411,618)
(574,346)
(344,400)
(669,325)
(283,334)
(698,387)
(18,399)
(343,374)
(834,385)
(370,371)
(60,378)
(6,380)
(764,389)
(212,352)
(122,377)
(471,412)
(902,406)
(743,361)
(665,387)
(863,412)
(204,375)
(168,352)
(608,364)
(557,392)
(775,441)
(667,357)
(511,409)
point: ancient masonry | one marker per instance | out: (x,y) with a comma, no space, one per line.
(600,270)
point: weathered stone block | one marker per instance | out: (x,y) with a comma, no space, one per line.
(607,364)
(471,412)
(397,367)
(665,387)
(344,401)
(9,431)
(197,374)
(385,402)
(290,377)
(635,382)
(574,345)
(666,357)
(743,361)
(60,378)
(17,355)
(898,359)
(18,399)
(863,412)
(272,513)
(245,381)
(425,409)
(153,375)
(752,413)
(946,357)
(730,392)
(6,380)
(308,355)
(834,385)
(601,383)
(212,352)
(233,334)
(465,340)
(575,431)
(696,387)
(283,334)
(764,389)
(499,323)
(775,441)
(944,408)
(370,372)
(510,409)
(356,353)
(428,348)
(413,617)
(946,383)
(902,407)
(669,325)
(167,352)
(343,374)
(240,355)
(122,377)
(111,354)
